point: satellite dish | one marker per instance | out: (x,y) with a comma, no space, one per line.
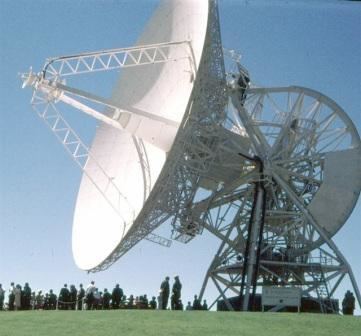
(135,156)
(185,140)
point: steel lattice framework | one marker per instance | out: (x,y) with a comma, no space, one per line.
(295,250)
(48,90)
(247,165)
(113,59)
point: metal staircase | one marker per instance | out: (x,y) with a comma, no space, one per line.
(321,288)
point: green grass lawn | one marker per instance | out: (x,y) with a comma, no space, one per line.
(167,323)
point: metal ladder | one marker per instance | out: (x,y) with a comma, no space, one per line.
(323,294)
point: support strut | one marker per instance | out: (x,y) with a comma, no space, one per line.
(254,242)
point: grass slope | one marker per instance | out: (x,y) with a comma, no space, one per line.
(161,323)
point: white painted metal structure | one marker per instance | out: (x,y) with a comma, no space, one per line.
(134,156)
(138,126)
(272,172)
(302,140)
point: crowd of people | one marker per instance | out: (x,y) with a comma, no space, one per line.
(175,300)
(90,298)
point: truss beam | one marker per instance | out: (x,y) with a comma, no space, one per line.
(81,155)
(113,59)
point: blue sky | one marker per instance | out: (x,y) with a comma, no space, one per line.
(309,43)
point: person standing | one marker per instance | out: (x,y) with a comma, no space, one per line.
(73,297)
(52,300)
(176,293)
(106,299)
(97,298)
(64,298)
(117,295)
(131,301)
(39,300)
(33,300)
(46,302)
(164,287)
(11,296)
(80,297)
(27,296)
(89,293)
(348,304)
(159,299)
(145,301)
(153,303)
(196,303)
(2,297)
(352,303)
(17,295)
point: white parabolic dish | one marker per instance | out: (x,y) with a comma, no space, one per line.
(134,157)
